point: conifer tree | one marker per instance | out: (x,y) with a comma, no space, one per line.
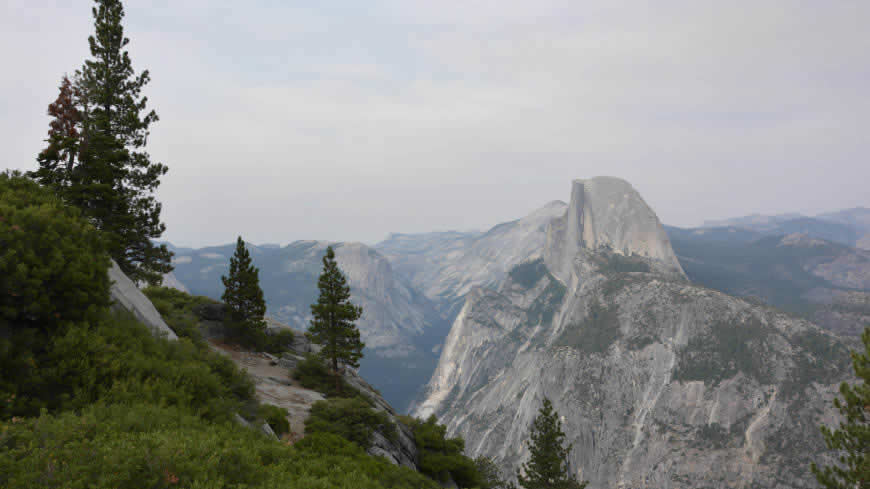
(852,437)
(244,297)
(57,160)
(114,179)
(548,466)
(334,315)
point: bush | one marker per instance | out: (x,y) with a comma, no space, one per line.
(279,342)
(53,263)
(442,457)
(313,374)
(179,310)
(116,359)
(53,275)
(276,417)
(129,446)
(352,419)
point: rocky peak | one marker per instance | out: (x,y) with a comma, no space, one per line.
(607,213)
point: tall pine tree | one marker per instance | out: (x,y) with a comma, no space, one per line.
(244,297)
(334,315)
(852,437)
(548,466)
(114,179)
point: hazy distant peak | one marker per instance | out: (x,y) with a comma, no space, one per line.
(606,212)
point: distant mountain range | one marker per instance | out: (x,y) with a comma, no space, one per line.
(849,226)
(413,286)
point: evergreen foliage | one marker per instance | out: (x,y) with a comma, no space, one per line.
(852,437)
(333,325)
(178,309)
(442,458)
(244,298)
(58,159)
(489,474)
(352,419)
(52,261)
(95,156)
(313,374)
(548,466)
(131,446)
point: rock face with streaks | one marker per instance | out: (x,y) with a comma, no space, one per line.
(445,266)
(660,383)
(125,295)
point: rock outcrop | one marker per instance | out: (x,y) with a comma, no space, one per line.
(445,266)
(127,296)
(660,383)
(607,213)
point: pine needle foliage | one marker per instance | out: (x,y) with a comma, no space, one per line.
(852,437)
(59,158)
(96,158)
(244,297)
(334,315)
(548,466)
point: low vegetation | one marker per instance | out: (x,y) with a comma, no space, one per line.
(596,332)
(732,346)
(352,419)
(442,458)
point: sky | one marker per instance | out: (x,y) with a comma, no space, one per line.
(346,121)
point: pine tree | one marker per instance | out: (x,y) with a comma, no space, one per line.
(57,160)
(244,297)
(852,437)
(334,315)
(114,180)
(548,466)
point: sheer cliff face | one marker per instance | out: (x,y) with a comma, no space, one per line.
(446,266)
(660,383)
(607,213)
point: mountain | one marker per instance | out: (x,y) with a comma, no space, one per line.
(826,282)
(400,326)
(857,218)
(445,266)
(849,226)
(660,382)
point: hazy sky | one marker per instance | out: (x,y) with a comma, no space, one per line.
(348,120)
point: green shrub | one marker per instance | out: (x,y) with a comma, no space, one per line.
(313,374)
(130,446)
(53,263)
(276,417)
(352,419)
(279,342)
(442,457)
(117,359)
(178,310)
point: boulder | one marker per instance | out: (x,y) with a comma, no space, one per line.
(126,296)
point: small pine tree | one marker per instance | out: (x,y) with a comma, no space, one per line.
(334,315)
(548,466)
(852,437)
(58,159)
(244,297)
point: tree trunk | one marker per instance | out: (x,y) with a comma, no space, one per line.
(337,376)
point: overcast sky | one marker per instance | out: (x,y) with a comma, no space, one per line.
(349,120)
